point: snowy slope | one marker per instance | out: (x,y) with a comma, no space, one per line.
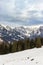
(27,57)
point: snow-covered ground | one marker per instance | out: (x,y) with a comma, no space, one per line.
(27,57)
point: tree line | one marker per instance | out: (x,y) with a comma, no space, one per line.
(20,45)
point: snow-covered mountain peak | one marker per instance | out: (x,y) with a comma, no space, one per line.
(9,34)
(8,28)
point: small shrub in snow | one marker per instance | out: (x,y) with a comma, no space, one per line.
(32,59)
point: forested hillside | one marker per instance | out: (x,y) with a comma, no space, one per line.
(20,45)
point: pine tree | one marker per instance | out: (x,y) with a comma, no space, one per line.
(42,41)
(10,47)
(6,47)
(32,43)
(14,46)
(27,43)
(20,45)
(38,42)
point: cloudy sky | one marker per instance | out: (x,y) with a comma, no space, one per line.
(21,12)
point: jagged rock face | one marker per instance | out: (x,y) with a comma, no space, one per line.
(9,34)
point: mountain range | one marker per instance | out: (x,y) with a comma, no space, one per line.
(17,33)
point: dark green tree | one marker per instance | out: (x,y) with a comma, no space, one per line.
(38,42)
(20,45)
(42,41)
(32,43)
(27,43)
(14,46)
(10,47)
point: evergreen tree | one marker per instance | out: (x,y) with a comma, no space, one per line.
(20,45)
(6,47)
(42,41)
(10,47)
(32,43)
(38,42)
(27,43)
(14,46)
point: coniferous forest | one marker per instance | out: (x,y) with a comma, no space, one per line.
(20,45)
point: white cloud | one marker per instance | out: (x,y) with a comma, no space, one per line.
(17,8)
(22,9)
(7,6)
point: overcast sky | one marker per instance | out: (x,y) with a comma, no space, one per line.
(21,12)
